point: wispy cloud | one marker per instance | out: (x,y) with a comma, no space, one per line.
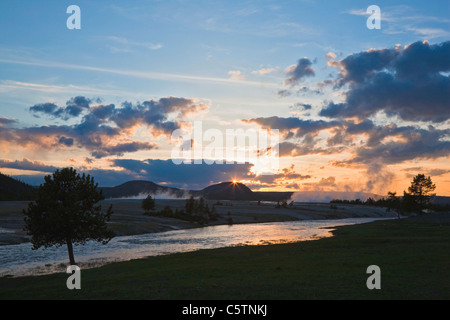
(126,45)
(405,19)
(10,85)
(138,74)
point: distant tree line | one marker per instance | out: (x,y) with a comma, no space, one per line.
(195,210)
(418,199)
(283,204)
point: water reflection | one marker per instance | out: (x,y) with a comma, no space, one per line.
(20,260)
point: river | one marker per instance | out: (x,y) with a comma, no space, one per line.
(21,260)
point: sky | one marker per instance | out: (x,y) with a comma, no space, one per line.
(353,108)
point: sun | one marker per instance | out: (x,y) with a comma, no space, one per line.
(234,181)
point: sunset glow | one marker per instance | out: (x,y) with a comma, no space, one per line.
(357,110)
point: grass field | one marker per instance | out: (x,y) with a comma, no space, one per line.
(413,257)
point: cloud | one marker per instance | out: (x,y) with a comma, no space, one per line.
(297,73)
(66,141)
(293,125)
(165,172)
(401,19)
(365,140)
(236,75)
(284,93)
(126,45)
(26,164)
(6,121)
(330,55)
(104,130)
(301,106)
(414,143)
(264,71)
(74,107)
(136,74)
(184,175)
(409,83)
(121,148)
(47,108)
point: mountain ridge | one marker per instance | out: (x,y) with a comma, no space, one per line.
(14,190)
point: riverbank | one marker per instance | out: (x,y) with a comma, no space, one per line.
(412,255)
(129,219)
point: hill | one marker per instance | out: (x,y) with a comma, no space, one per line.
(226,191)
(239,191)
(15,190)
(137,188)
(220,191)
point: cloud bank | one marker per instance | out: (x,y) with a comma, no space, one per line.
(102,129)
(411,83)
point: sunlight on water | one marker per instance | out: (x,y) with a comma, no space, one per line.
(18,260)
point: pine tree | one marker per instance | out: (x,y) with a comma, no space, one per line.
(66,212)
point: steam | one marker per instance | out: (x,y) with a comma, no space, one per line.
(327,196)
(158,195)
(379,178)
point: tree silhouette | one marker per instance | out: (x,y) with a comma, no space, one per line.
(393,202)
(148,204)
(65,212)
(421,191)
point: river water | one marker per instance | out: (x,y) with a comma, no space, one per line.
(20,259)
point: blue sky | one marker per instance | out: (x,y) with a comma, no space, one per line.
(231,56)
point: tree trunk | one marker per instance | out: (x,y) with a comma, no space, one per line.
(70,249)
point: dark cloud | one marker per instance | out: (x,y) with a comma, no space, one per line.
(192,176)
(414,144)
(305,147)
(298,126)
(184,175)
(26,164)
(155,113)
(305,90)
(410,83)
(47,108)
(74,107)
(66,141)
(6,121)
(301,106)
(165,172)
(104,130)
(298,72)
(284,93)
(365,140)
(121,148)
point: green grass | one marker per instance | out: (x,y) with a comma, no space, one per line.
(413,257)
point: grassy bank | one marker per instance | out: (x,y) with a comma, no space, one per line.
(413,257)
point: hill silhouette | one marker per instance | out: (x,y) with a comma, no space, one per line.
(227,191)
(15,190)
(139,187)
(220,191)
(239,191)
